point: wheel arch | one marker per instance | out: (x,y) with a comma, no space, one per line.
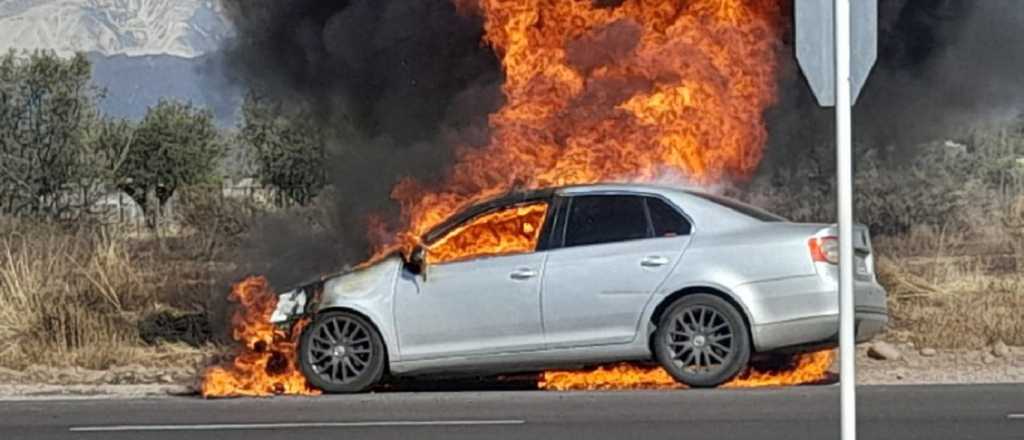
(723,294)
(376,328)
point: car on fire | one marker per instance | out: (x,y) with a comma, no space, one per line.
(696,282)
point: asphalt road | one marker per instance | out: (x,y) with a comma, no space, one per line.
(905,412)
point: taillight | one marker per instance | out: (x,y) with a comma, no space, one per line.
(824,249)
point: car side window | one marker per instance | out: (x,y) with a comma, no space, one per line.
(509,230)
(666,220)
(605,219)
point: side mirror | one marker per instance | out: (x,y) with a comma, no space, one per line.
(417,261)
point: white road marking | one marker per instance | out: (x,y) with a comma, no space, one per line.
(1015,416)
(271,426)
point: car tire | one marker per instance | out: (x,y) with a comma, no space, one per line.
(702,341)
(342,352)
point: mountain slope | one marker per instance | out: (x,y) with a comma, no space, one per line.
(183,28)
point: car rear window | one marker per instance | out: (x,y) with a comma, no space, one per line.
(666,220)
(605,219)
(741,208)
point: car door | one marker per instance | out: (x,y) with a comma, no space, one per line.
(476,304)
(611,259)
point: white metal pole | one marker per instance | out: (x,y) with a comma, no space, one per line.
(844,175)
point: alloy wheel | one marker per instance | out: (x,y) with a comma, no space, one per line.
(700,340)
(340,349)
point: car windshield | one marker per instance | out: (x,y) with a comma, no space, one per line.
(739,207)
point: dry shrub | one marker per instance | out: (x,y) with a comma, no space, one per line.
(70,297)
(212,221)
(1014,228)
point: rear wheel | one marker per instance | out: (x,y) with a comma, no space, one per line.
(702,341)
(341,352)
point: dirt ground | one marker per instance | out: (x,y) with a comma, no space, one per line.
(945,367)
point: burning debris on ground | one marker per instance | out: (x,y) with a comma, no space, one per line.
(811,368)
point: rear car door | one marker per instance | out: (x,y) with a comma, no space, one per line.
(611,254)
(480,295)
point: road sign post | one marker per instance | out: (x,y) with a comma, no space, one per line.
(837,46)
(844,187)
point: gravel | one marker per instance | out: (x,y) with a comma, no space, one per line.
(940,367)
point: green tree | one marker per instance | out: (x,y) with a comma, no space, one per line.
(288,148)
(46,106)
(174,145)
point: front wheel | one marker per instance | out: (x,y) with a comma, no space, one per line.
(702,341)
(341,352)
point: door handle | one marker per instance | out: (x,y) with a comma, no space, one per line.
(523,274)
(654,261)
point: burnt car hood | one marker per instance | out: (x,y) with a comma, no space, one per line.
(363,281)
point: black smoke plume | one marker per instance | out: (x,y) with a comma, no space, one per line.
(394,84)
(943,65)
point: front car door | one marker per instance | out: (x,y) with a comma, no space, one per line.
(480,293)
(614,251)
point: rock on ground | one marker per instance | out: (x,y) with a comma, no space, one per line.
(999,349)
(884,351)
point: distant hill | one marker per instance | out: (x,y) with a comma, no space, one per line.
(142,50)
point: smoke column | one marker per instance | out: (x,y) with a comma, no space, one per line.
(398,83)
(394,85)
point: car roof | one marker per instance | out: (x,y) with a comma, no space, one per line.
(598,188)
(699,203)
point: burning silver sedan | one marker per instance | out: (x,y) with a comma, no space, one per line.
(586,275)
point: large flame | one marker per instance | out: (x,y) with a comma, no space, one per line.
(638,91)
(595,90)
(635,90)
(266,363)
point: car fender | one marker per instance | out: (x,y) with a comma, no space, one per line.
(368,292)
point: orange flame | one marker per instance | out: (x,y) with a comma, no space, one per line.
(266,363)
(807,368)
(640,91)
(507,231)
(644,90)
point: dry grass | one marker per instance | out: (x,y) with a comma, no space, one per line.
(954,290)
(74,298)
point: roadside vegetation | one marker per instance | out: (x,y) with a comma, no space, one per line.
(77,291)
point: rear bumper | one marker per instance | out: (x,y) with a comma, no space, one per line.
(818,331)
(805,311)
